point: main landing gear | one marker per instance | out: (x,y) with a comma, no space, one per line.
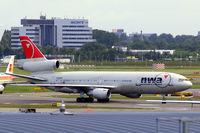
(103,100)
(163,99)
(90,99)
(82,99)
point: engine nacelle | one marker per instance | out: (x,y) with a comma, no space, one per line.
(1,88)
(133,95)
(37,66)
(100,93)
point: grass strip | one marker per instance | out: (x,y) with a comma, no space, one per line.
(22,89)
(67,106)
(144,97)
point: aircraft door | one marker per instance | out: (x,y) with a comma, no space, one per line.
(138,85)
(138,81)
(100,80)
(59,80)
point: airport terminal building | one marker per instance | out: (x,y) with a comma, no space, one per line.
(55,32)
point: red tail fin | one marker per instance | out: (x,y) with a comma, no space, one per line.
(30,50)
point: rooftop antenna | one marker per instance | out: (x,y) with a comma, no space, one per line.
(141,36)
(41,13)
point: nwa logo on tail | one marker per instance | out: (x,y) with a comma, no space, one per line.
(161,80)
(31,51)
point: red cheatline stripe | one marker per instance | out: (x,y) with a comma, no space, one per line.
(7,77)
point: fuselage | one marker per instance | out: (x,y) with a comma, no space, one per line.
(125,82)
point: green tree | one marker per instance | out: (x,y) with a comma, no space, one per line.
(107,38)
(92,51)
(49,50)
(6,43)
(168,38)
(67,51)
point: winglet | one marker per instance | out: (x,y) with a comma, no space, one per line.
(30,49)
(10,64)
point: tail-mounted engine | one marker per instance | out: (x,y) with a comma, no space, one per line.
(37,66)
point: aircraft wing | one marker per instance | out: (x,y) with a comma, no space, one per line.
(68,85)
(173,101)
(27,77)
(56,85)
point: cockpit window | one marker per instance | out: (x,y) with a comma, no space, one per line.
(182,79)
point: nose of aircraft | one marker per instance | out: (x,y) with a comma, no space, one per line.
(181,83)
(189,84)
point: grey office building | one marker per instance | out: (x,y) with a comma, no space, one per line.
(55,32)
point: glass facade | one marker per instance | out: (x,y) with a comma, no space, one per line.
(37,22)
(47,35)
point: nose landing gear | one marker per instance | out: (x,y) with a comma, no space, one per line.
(163,99)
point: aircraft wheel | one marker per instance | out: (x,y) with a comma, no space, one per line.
(103,100)
(77,100)
(90,99)
(84,100)
(80,100)
(1,92)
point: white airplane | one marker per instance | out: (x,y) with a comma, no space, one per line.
(97,85)
(6,78)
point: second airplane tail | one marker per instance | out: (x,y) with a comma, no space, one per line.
(31,51)
(35,61)
(10,64)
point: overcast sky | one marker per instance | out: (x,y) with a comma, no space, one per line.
(152,16)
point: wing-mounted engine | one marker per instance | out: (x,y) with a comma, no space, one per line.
(100,93)
(38,65)
(132,95)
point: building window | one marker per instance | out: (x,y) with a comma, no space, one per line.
(32,33)
(73,26)
(16,46)
(73,42)
(14,37)
(32,29)
(76,34)
(69,38)
(35,42)
(74,30)
(14,33)
(15,41)
(14,29)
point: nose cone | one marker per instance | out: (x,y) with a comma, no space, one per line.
(180,82)
(188,84)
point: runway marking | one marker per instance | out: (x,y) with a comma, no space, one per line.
(89,110)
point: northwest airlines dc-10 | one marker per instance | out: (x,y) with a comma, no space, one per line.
(97,85)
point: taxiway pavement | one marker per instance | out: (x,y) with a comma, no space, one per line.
(137,105)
